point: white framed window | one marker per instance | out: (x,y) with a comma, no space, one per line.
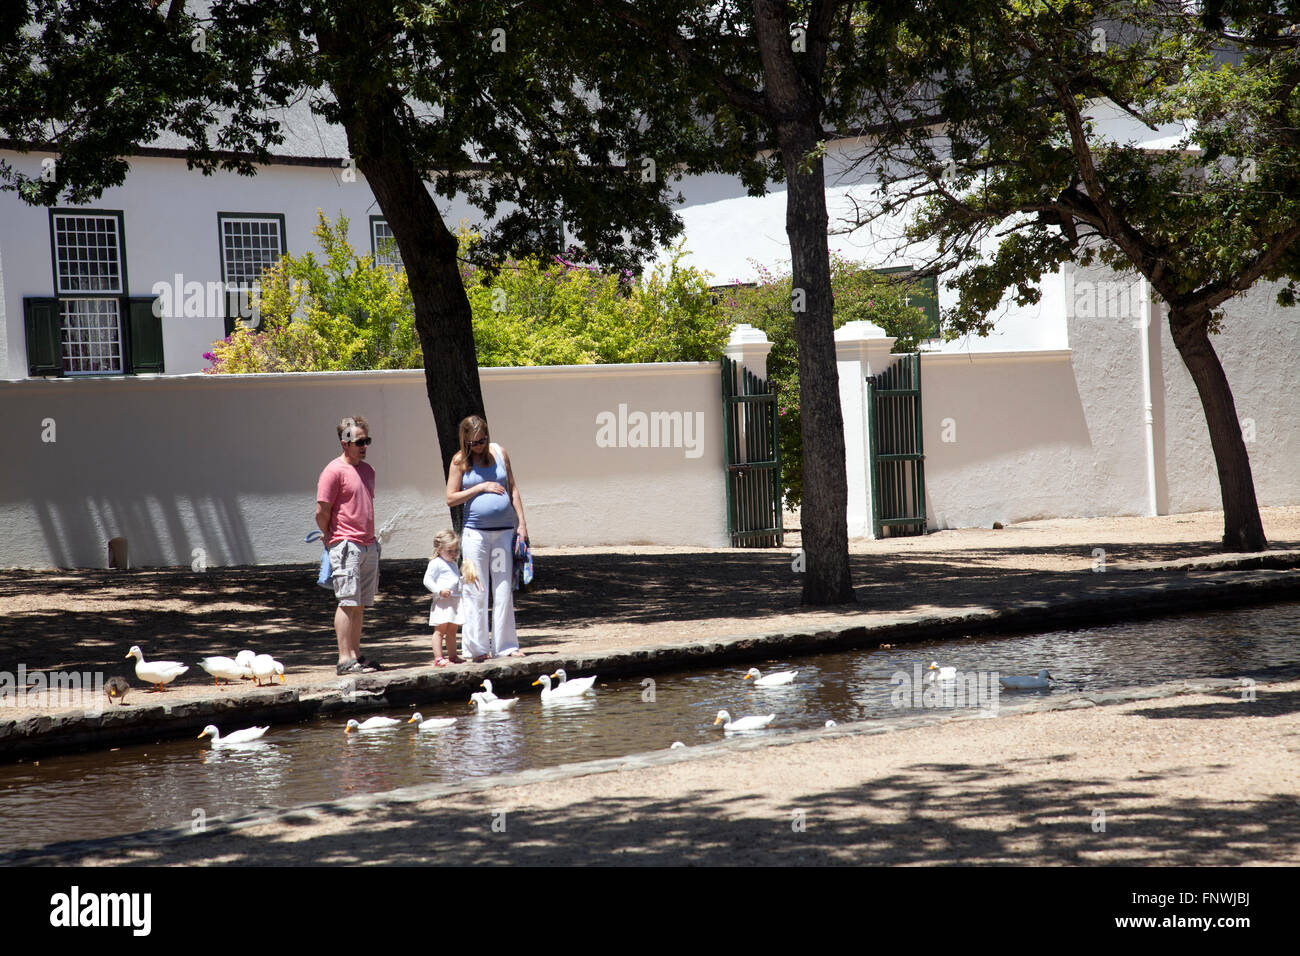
(383,245)
(87,253)
(91,336)
(91,325)
(89,278)
(250,244)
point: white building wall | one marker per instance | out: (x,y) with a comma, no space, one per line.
(170,227)
(1259,346)
(730,235)
(228,464)
(1021,435)
(1007,438)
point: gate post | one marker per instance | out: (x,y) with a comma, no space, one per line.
(748,347)
(861,349)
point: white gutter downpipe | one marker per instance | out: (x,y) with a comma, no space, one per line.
(1148,417)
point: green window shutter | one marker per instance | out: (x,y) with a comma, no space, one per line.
(145,329)
(43,326)
(928,300)
(926,297)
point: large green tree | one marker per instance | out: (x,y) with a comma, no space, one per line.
(526,110)
(985,120)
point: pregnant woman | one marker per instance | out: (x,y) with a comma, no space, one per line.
(480,478)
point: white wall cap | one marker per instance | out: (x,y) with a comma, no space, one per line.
(860,330)
(746,334)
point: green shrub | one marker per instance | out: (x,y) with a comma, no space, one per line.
(343,311)
(859,294)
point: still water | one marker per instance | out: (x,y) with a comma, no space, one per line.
(140,787)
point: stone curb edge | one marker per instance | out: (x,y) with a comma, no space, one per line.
(50,734)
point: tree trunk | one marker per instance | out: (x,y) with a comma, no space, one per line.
(825,502)
(1242,528)
(827,579)
(443,318)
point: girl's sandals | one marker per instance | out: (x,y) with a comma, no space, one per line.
(440,662)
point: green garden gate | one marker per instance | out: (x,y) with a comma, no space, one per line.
(749,431)
(897,453)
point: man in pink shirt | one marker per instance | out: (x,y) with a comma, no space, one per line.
(345,514)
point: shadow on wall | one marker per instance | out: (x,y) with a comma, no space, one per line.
(1008,440)
(200,532)
(189,471)
(221,470)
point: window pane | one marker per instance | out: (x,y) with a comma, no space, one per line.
(92,336)
(386,253)
(87,253)
(249,247)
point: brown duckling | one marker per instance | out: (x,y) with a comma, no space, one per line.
(117,688)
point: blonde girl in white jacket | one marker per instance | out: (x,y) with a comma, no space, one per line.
(447,585)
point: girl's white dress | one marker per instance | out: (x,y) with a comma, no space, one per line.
(438,577)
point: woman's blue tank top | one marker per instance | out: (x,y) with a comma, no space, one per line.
(489,512)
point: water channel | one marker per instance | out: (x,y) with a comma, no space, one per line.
(139,787)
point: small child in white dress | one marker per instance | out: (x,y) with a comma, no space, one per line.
(444,580)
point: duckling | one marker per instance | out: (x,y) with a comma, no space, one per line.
(116,687)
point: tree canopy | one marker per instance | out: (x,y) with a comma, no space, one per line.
(528,111)
(988,121)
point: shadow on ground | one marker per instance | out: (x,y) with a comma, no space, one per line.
(1271,704)
(183,614)
(965,813)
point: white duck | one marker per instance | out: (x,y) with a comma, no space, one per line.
(267,668)
(744,723)
(486,706)
(487,690)
(1043,679)
(942,673)
(569,690)
(158,673)
(771,680)
(433,723)
(371,723)
(245,660)
(581,684)
(222,669)
(245,736)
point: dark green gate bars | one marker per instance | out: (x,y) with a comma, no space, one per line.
(897,453)
(749,432)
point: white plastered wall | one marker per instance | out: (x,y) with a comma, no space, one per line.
(228,465)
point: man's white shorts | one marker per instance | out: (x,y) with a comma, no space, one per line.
(356,573)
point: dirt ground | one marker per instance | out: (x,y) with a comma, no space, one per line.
(586,600)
